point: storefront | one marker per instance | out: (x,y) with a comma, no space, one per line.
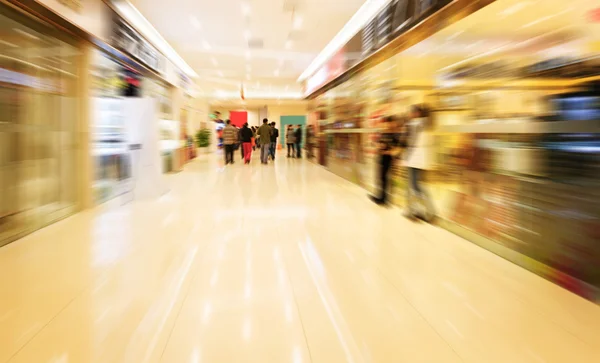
(39,103)
(515,139)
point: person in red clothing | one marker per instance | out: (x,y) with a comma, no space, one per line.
(246,136)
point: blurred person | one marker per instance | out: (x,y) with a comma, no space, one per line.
(274,136)
(298,141)
(246,136)
(253,138)
(230,138)
(240,142)
(388,147)
(218,120)
(264,135)
(290,140)
(418,158)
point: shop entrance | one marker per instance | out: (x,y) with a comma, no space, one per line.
(284,121)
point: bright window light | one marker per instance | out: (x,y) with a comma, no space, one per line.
(135,18)
(365,14)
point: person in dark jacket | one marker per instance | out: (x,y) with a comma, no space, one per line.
(298,141)
(264,134)
(274,136)
(246,136)
(388,148)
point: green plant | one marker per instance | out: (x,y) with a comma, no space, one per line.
(203,138)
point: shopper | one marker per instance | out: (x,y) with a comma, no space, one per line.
(230,137)
(246,136)
(239,143)
(298,141)
(274,136)
(264,135)
(418,158)
(290,140)
(388,147)
(253,138)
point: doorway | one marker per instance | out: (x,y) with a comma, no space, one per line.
(284,121)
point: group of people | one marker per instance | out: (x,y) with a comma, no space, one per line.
(265,137)
(412,144)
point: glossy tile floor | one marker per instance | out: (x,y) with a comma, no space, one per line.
(278,263)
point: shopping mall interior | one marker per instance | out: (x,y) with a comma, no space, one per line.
(426,188)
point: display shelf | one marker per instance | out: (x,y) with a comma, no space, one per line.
(525,127)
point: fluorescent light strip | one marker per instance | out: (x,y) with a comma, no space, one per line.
(132,15)
(365,14)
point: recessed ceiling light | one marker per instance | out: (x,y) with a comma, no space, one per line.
(214,61)
(288,44)
(220,73)
(276,73)
(246,9)
(298,21)
(206,45)
(195,22)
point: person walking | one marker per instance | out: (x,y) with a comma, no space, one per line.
(264,134)
(298,141)
(253,138)
(230,137)
(274,136)
(246,136)
(388,147)
(290,140)
(418,158)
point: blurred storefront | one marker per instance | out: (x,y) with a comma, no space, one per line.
(39,83)
(513,94)
(86,111)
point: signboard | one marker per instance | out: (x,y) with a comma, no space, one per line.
(127,40)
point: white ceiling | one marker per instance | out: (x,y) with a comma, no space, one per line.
(212,37)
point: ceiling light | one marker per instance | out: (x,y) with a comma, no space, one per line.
(276,73)
(362,16)
(288,44)
(195,22)
(220,73)
(246,9)
(214,61)
(139,22)
(206,45)
(248,54)
(298,21)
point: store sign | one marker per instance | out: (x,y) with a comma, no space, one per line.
(129,41)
